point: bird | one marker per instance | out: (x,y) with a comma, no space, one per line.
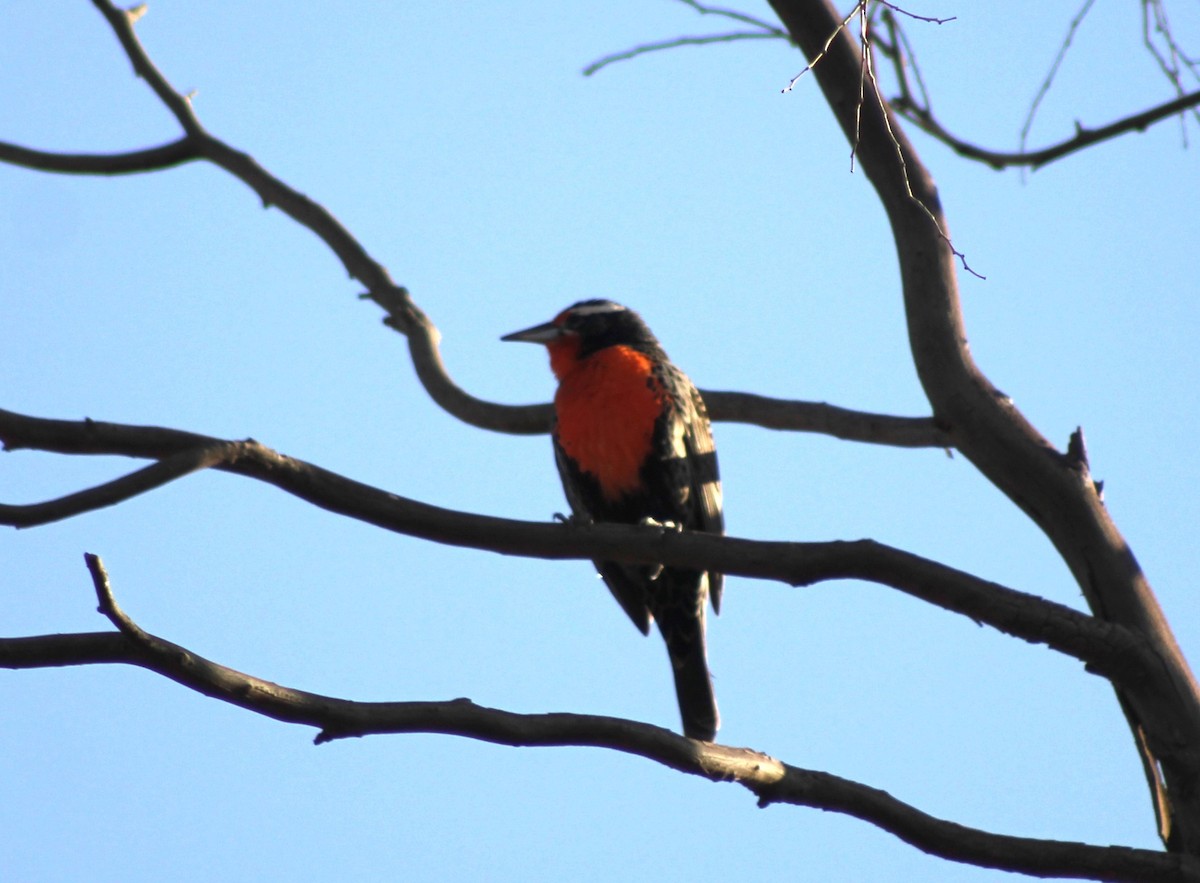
(633,445)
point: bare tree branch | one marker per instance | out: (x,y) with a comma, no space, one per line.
(916,107)
(152,159)
(736,15)
(764,776)
(769,413)
(166,470)
(1108,650)
(675,43)
(763,30)
(1056,492)
(1127,640)
(402,313)
(866,73)
(1035,159)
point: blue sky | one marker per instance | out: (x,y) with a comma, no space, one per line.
(462,146)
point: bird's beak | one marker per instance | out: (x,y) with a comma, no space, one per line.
(543,333)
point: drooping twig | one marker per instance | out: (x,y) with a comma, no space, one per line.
(869,68)
(675,43)
(867,74)
(762,30)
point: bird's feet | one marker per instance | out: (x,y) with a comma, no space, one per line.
(665,525)
(655,571)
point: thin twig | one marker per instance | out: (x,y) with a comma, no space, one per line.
(867,71)
(675,43)
(763,30)
(825,49)
(1048,80)
(864,54)
(1175,61)
(869,67)
(925,18)
(903,58)
(736,15)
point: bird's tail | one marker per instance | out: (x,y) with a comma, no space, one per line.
(694,689)
(683,629)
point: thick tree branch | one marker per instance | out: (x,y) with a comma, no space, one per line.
(769,779)
(1106,649)
(1055,491)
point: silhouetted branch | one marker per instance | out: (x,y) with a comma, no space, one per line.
(1127,641)
(675,43)
(151,160)
(1035,159)
(762,30)
(916,107)
(769,413)
(769,779)
(111,493)
(1055,492)
(1108,650)
(402,313)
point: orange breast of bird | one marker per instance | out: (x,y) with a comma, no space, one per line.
(607,404)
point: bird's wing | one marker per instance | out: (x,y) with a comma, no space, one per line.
(705,476)
(705,482)
(688,450)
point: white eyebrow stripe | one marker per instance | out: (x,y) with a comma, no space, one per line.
(596,309)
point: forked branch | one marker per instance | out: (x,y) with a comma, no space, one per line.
(913,102)
(1106,649)
(1055,492)
(402,313)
